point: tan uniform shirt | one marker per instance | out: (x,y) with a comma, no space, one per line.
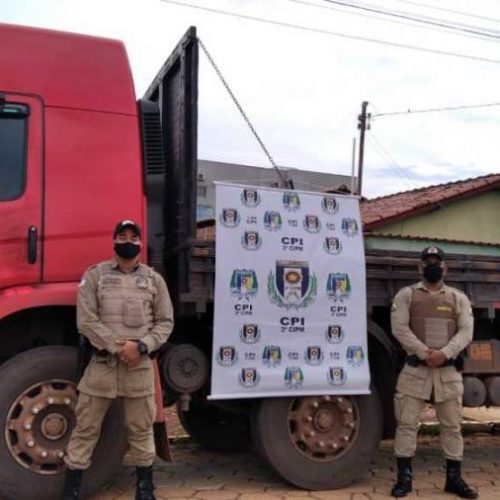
(107,376)
(420,381)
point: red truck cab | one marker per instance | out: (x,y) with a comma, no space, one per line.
(70,161)
(70,168)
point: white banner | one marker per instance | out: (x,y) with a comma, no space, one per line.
(290,298)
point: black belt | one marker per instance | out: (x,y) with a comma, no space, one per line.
(414,360)
(100,353)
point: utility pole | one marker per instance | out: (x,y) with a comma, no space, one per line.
(363,124)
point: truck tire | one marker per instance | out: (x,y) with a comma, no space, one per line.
(37,397)
(215,428)
(318,442)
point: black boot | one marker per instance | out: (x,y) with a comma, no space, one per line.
(455,483)
(144,490)
(71,487)
(403,483)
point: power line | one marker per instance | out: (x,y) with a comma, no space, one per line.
(451,11)
(382,152)
(409,17)
(434,110)
(393,21)
(334,33)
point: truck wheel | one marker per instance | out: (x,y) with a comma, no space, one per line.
(318,442)
(37,398)
(215,428)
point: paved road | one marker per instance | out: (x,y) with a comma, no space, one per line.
(203,475)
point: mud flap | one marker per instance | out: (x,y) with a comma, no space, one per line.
(160,423)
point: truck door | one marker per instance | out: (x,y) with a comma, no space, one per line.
(21,160)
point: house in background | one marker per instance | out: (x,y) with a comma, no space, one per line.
(213,171)
(460,217)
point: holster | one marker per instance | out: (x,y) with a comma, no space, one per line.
(84,355)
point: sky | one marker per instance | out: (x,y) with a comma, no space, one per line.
(302,78)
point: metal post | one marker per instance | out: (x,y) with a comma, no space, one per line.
(353,165)
(362,126)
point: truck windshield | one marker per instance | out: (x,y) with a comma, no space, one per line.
(13,120)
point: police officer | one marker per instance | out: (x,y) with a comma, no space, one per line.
(434,324)
(125,312)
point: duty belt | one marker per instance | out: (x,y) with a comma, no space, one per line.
(414,360)
(100,353)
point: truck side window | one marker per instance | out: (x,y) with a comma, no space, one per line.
(13,132)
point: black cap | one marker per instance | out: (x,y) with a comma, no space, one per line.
(432,252)
(127,224)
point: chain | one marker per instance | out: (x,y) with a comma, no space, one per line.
(244,115)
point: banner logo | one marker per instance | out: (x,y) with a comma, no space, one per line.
(250,197)
(292,285)
(294,377)
(229,217)
(271,355)
(336,375)
(250,333)
(313,355)
(355,355)
(249,377)
(272,220)
(227,355)
(338,286)
(350,227)
(312,223)
(335,334)
(244,283)
(329,205)
(291,201)
(251,240)
(332,245)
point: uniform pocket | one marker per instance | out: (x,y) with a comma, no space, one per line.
(133,313)
(139,379)
(453,386)
(420,372)
(450,374)
(99,378)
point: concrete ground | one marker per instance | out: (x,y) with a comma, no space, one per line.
(203,475)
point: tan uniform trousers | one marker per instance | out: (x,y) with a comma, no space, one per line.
(408,410)
(90,412)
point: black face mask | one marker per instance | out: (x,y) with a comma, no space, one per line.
(127,250)
(433,273)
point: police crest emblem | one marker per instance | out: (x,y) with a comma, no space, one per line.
(338,286)
(335,334)
(250,333)
(329,205)
(336,375)
(229,217)
(294,377)
(244,283)
(141,282)
(350,226)
(250,197)
(291,201)
(271,356)
(313,355)
(332,245)
(227,355)
(251,240)
(355,355)
(272,220)
(312,223)
(249,377)
(292,285)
